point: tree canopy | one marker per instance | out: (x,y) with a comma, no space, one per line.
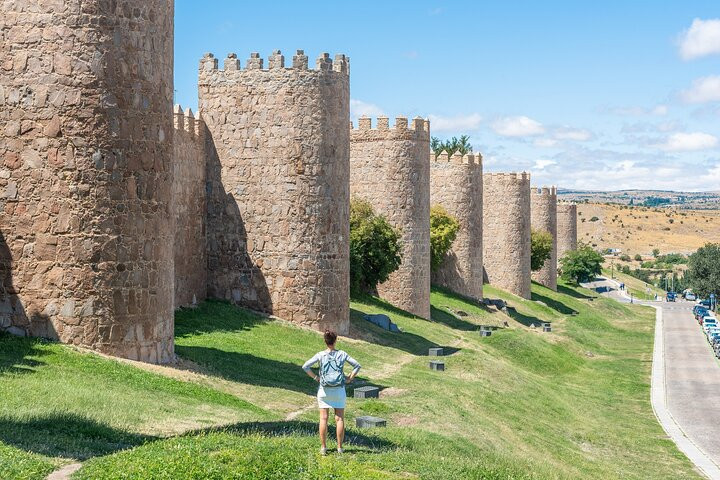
(454,144)
(443,231)
(541,244)
(581,265)
(703,272)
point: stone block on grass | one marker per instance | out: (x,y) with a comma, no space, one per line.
(436,352)
(366,392)
(369,421)
(437,365)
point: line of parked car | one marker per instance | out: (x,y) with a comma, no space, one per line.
(707,320)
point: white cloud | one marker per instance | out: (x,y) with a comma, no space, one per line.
(459,123)
(657,110)
(541,164)
(701,39)
(684,142)
(520,126)
(704,89)
(545,142)
(358,108)
(568,133)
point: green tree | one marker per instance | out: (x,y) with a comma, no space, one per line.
(443,231)
(460,145)
(541,243)
(374,247)
(656,252)
(638,257)
(581,265)
(703,274)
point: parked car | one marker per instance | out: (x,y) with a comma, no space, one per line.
(707,318)
(702,312)
(671,296)
(691,297)
(705,303)
(698,307)
(714,338)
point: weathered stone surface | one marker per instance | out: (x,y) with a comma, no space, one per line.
(87,97)
(368,421)
(437,365)
(189,206)
(390,168)
(366,392)
(543,217)
(456,183)
(506,231)
(566,228)
(278,186)
(436,352)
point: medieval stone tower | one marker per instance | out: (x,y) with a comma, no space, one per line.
(566,228)
(390,168)
(456,183)
(85,183)
(506,231)
(543,214)
(278,185)
(189,206)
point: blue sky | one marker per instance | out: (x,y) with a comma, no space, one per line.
(591,95)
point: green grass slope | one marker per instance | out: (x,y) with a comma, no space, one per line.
(573,403)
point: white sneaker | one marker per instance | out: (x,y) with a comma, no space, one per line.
(323,451)
(340,450)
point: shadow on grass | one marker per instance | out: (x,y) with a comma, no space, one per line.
(246,368)
(296,427)
(15,353)
(556,305)
(215,316)
(572,292)
(67,435)
(523,319)
(408,342)
(440,315)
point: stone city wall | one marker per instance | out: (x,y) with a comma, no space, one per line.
(278,185)
(189,207)
(506,231)
(566,228)
(85,181)
(456,183)
(390,168)
(543,215)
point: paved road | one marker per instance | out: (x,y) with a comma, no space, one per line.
(686,381)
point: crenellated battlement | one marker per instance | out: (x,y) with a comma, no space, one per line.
(276,62)
(457,158)
(521,176)
(186,121)
(551,191)
(418,127)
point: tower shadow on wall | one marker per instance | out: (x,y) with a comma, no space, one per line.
(14,317)
(232,273)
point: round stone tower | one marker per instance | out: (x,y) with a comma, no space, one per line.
(456,184)
(543,215)
(390,168)
(506,231)
(278,185)
(566,228)
(86,142)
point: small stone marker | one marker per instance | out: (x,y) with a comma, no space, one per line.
(437,365)
(485,331)
(366,392)
(370,422)
(546,327)
(436,352)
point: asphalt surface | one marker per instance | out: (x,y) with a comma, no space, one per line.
(686,380)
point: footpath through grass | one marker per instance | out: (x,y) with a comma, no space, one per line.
(639,289)
(573,403)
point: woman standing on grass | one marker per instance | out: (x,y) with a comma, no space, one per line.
(331,392)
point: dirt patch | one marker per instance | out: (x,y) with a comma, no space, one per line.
(405,420)
(392,392)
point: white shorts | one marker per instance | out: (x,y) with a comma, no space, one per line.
(331,397)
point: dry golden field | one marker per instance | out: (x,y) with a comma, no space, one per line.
(642,229)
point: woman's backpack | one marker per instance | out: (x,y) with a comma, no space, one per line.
(331,372)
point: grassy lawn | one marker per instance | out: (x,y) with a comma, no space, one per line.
(573,403)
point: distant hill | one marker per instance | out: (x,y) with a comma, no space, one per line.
(641,229)
(649,198)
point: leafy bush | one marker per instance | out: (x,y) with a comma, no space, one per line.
(541,243)
(594,219)
(581,265)
(647,264)
(443,230)
(704,270)
(638,257)
(656,252)
(673,259)
(625,257)
(374,247)
(625,269)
